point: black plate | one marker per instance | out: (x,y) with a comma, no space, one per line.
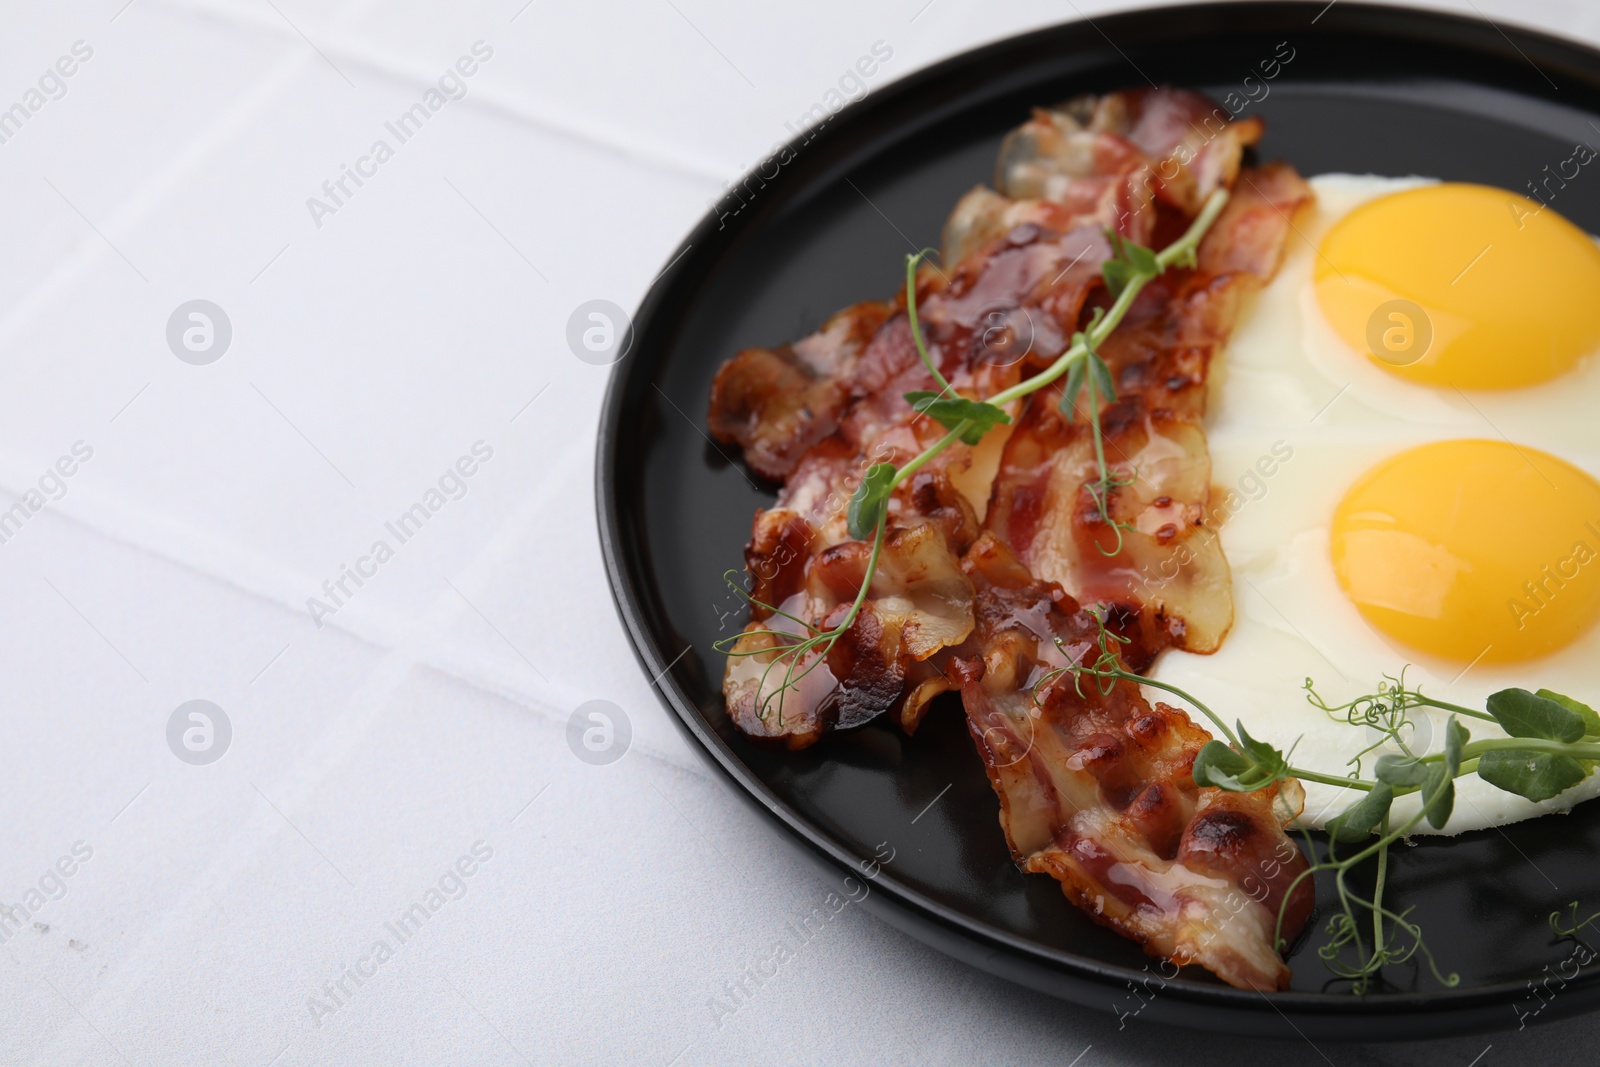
(1385,90)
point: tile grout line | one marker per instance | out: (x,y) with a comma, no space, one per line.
(583,129)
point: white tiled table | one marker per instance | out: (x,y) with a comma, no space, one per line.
(421,731)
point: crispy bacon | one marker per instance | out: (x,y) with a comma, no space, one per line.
(919,603)
(987,546)
(778,402)
(1096,789)
(819,412)
(1170,579)
(1132,147)
(984,321)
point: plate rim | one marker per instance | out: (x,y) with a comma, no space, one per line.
(1437,1011)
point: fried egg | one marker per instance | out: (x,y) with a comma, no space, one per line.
(1407,471)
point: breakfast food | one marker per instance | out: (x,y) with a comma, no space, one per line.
(1124,826)
(1095,790)
(1374,518)
(1022,273)
(1001,484)
(1159,359)
(1504,280)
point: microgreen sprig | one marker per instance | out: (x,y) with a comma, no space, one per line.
(916,325)
(1572,927)
(1385,711)
(1092,372)
(1553,746)
(1395,939)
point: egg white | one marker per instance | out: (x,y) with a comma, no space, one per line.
(1287,381)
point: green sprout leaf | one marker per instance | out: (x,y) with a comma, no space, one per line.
(1523,714)
(1591,719)
(1535,775)
(1069,392)
(1220,766)
(951,411)
(1117,275)
(1438,795)
(1401,771)
(1142,258)
(1455,739)
(1094,369)
(1128,261)
(1257,766)
(1102,376)
(1264,754)
(871,497)
(1357,822)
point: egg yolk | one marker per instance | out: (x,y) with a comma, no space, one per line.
(1462,285)
(1472,549)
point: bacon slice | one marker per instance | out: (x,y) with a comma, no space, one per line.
(1096,789)
(1066,176)
(778,402)
(984,321)
(1169,578)
(919,604)
(818,413)
(1131,146)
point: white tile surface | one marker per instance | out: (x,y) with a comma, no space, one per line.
(369,353)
